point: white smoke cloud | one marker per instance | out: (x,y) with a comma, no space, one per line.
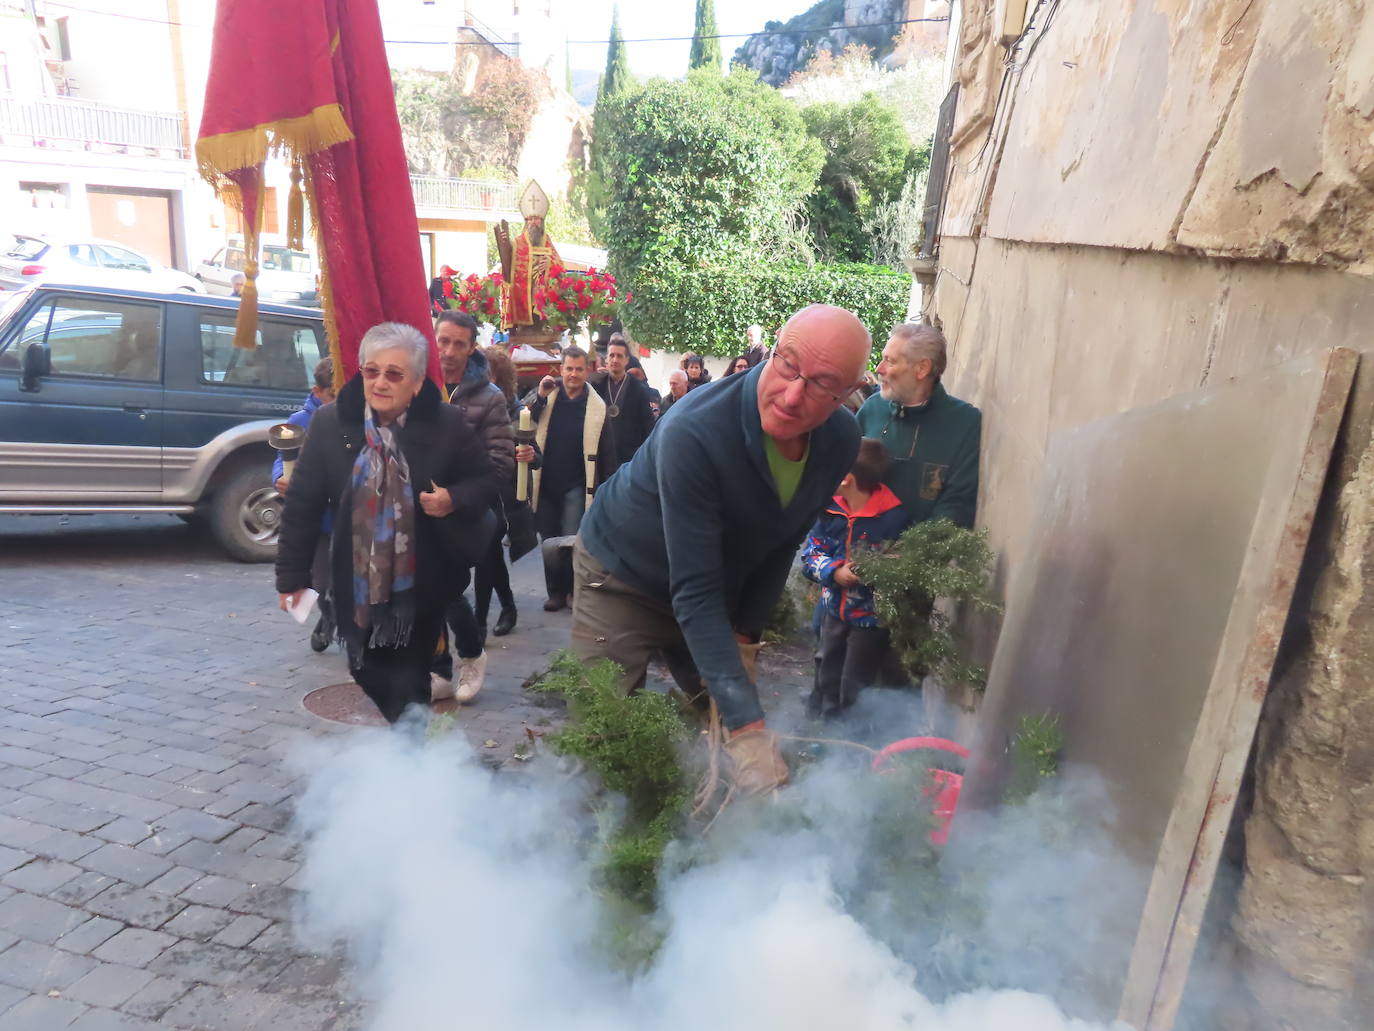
(466,902)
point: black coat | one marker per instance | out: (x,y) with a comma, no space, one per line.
(439,447)
(632,426)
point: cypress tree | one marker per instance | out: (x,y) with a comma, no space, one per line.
(617,75)
(705,47)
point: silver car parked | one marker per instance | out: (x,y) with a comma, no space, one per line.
(34,260)
(285,276)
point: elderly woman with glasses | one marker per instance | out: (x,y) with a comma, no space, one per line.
(409,484)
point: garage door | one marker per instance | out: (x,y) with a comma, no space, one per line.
(141,219)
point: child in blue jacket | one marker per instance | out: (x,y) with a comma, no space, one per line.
(322,393)
(864,513)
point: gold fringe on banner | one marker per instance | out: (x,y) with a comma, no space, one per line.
(331,324)
(247,148)
(295,210)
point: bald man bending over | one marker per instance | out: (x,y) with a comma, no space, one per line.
(687,548)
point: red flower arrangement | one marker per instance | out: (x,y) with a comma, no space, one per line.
(572,298)
(479,296)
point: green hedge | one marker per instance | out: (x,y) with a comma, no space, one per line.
(709,310)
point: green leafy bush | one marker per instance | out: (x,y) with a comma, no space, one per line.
(708,310)
(699,172)
(933,559)
(634,745)
(1034,755)
(867,157)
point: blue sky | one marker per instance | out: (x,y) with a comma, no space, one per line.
(591,19)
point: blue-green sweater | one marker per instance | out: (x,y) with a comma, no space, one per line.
(934,454)
(694,519)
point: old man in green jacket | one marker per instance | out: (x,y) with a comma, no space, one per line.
(931,437)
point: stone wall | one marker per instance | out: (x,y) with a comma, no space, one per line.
(1150,196)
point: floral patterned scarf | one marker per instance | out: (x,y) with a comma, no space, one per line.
(383,510)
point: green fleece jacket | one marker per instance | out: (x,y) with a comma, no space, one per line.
(934,453)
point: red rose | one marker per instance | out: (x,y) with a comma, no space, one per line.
(584,301)
(490,306)
(578,285)
(629,296)
(555,270)
(497,278)
(561,305)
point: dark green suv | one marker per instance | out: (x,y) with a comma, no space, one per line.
(127,401)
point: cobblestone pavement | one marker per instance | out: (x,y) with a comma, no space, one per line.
(149,694)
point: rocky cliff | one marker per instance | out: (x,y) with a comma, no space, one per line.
(829,25)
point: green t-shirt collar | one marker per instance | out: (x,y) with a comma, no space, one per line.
(787,475)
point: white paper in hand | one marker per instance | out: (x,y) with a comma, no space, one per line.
(305,605)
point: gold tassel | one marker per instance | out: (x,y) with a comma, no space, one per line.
(246,328)
(295,211)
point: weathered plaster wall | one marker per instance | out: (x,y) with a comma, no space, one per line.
(1045,337)
(1049,337)
(1149,196)
(1233,127)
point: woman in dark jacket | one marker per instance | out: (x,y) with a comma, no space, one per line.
(408,482)
(697,374)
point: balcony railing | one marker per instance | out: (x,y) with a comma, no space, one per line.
(44,121)
(466,194)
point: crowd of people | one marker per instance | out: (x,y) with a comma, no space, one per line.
(668,522)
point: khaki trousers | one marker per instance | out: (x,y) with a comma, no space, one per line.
(612,620)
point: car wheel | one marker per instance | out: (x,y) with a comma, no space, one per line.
(245,514)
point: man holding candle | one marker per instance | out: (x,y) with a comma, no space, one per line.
(687,548)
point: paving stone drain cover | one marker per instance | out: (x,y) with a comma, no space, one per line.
(346,703)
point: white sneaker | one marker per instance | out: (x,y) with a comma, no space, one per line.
(471,673)
(439,688)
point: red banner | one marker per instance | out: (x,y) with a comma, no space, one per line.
(309,80)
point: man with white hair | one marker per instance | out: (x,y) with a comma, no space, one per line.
(931,438)
(687,548)
(677,389)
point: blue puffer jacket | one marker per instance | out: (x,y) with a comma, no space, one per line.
(301,417)
(832,542)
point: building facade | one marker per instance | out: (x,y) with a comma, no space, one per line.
(94,143)
(91,142)
(1143,198)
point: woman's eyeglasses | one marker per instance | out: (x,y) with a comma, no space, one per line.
(392,375)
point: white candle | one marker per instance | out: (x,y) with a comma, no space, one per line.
(522,471)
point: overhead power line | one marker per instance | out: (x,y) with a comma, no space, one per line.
(682,39)
(571,42)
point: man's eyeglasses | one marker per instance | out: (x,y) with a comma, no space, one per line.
(392,375)
(789,370)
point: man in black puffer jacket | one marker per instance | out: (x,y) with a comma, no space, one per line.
(468,386)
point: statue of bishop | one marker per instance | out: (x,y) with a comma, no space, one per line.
(525,261)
